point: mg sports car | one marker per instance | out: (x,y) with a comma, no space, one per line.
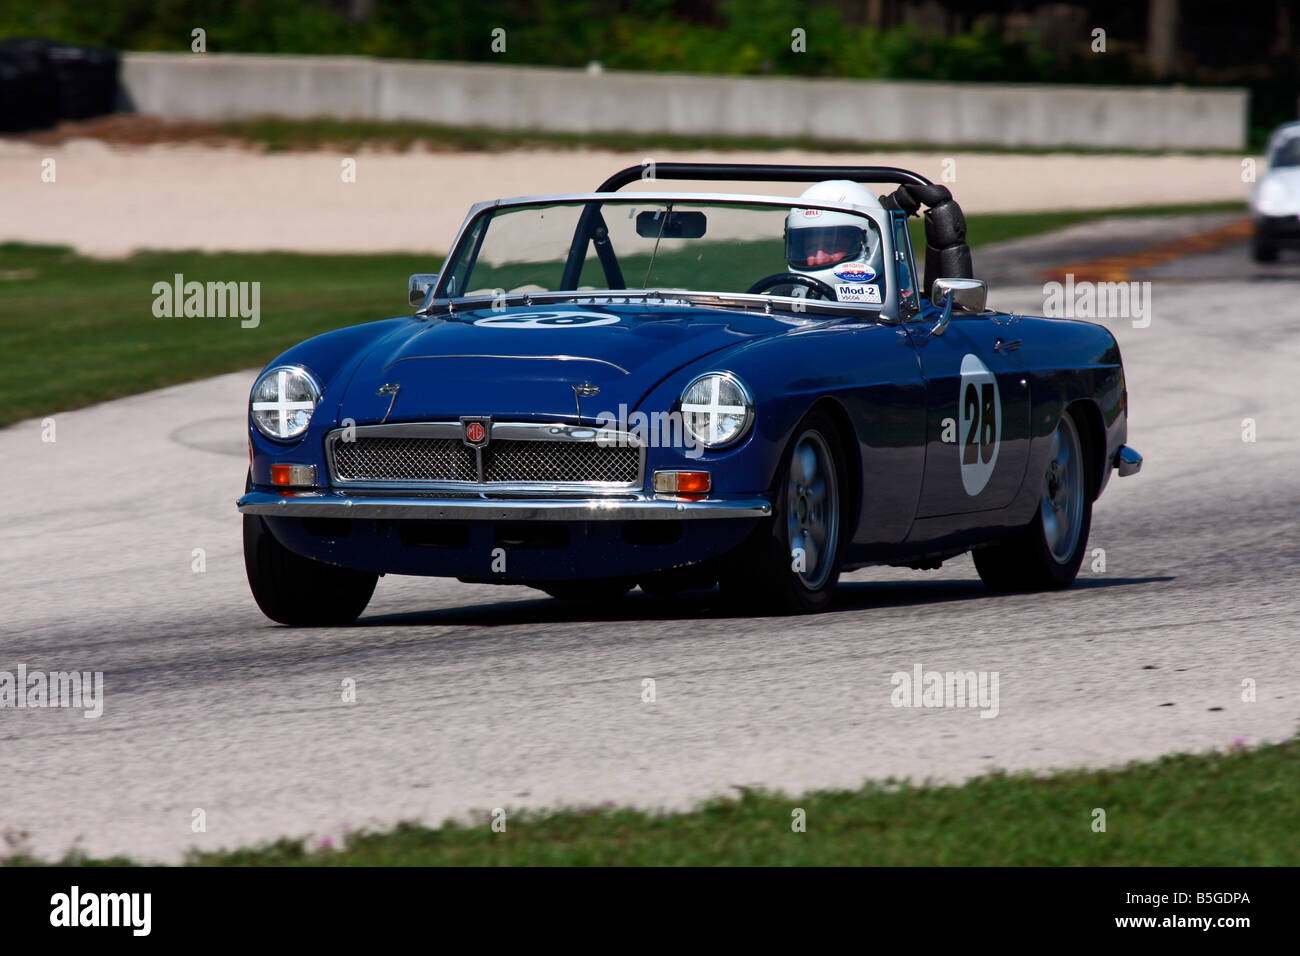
(684,390)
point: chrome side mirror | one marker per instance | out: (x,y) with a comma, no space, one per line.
(968,295)
(419,285)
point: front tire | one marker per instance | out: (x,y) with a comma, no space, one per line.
(792,563)
(1261,250)
(1046,553)
(298,591)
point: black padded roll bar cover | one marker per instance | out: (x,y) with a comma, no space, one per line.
(900,199)
(946,253)
(953,262)
(931,194)
(945,225)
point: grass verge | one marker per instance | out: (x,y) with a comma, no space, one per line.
(1234,808)
(80,331)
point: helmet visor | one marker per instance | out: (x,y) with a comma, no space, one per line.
(819,247)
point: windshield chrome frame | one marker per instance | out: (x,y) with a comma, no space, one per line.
(888,312)
(799,306)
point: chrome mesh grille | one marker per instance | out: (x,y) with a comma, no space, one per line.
(504,460)
(515,460)
(404,459)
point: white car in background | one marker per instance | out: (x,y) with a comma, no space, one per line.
(1275,203)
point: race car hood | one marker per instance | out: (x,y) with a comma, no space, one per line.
(525,363)
(1289,176)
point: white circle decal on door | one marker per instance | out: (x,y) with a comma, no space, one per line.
(980,434)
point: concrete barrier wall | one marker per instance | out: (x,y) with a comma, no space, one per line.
(236,86)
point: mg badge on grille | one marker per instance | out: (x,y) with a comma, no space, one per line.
(586,390)
(477,431)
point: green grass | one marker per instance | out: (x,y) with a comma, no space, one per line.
(276,134)
(1236,808)
(79,331)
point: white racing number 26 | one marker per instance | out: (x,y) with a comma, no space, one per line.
(981,424)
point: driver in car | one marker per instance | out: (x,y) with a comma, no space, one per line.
(840,249)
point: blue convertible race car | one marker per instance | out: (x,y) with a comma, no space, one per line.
(680,390)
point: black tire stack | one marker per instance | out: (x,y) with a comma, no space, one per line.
(42,83)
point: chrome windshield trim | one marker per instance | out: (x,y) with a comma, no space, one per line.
(638,507)
(788,303)
(631,198)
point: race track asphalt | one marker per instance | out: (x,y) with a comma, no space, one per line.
(476,697)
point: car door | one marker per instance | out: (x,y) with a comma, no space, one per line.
(977,411)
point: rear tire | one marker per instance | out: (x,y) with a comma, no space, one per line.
(298,591)
(791,563)
(1047,552)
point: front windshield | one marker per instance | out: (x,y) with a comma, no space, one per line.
(1286,153)
(633,243)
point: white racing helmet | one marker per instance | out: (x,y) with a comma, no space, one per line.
(839,248)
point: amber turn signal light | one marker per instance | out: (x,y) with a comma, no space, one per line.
(293,476)
(683,482)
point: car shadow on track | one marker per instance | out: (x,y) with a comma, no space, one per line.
(709,605)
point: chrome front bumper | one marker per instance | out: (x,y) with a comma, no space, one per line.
(1127,461)
(639,507)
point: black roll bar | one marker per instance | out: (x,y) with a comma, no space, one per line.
(761,172)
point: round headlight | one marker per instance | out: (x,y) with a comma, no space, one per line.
(716,409)
(283,400)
